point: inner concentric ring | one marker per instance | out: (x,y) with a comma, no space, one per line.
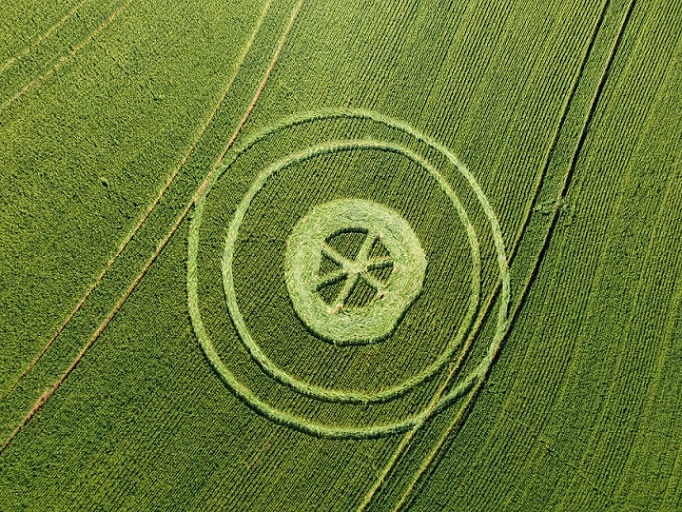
(343,395)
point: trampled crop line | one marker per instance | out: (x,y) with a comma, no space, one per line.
(66,58)
(523,294)
(150,209)
(162,244)
(32,46)
(408,437)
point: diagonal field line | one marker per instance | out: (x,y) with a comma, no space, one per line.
(183,215)
(141,221)
(32,46)
(408,437)
(545,243)
(66,58)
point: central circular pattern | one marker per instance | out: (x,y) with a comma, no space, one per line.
(388,259)
(357,293)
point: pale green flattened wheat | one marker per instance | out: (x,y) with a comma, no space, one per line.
(337,321)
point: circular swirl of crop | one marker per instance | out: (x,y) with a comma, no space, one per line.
(236,211)
(388,242)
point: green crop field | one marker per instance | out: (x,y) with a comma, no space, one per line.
(297,255)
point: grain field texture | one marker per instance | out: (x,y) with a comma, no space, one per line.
(155,158)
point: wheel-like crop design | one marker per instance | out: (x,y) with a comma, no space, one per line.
(351,297)
(388,243)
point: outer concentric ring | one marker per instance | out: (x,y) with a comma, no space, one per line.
(283,417)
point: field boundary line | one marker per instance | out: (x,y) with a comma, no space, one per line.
(485,310)
(523,295)
(162,244)
(32,46)
(150,209)
(67,57)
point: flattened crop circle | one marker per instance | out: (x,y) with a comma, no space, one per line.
(308,245)
(301,423)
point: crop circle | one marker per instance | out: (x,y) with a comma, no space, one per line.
(309,243)
(317,427)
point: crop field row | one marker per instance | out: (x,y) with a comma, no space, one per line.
(299,255)
(172,192)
